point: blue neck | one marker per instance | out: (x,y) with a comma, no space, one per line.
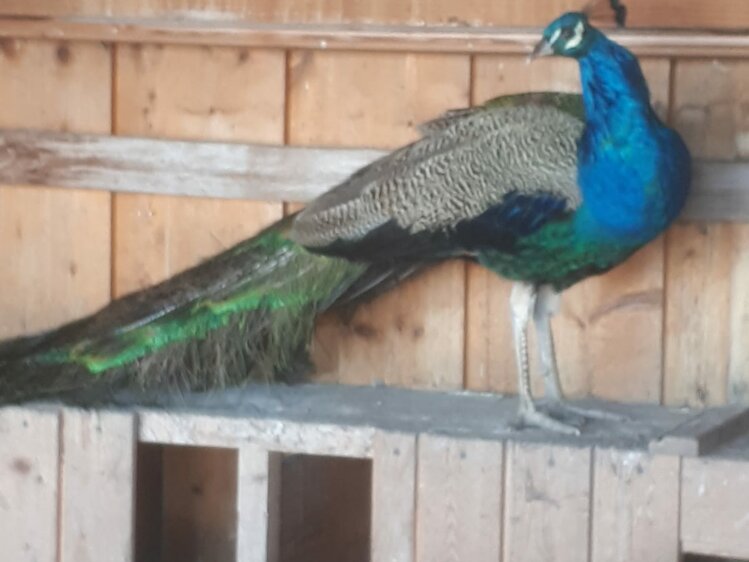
(615,92)
(630,166)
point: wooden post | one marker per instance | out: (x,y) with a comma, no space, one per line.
(258,502)
(459,505)
(29,446)
(547,515)
(98,480)
(635,507)
(393,497)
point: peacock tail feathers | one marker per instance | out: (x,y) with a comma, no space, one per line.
(246,314)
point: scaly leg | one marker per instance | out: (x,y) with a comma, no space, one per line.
(547,304)
(522,303)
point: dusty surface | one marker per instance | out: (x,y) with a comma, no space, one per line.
(465,414)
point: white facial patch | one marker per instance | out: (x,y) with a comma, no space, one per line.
(577,38)
(555,36)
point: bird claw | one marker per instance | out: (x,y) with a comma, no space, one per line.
(590,413)
(531,417)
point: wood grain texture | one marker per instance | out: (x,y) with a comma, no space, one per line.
(29,449)
(459,504)
(547,509)
(608,332)
(189,92)
(259,172)
(325,508)
(708,265)
(440,38)
(412,335)
(715,495)
(98,485)
(200,504)
(393,497)
(668,13)
(55,244)
(257,520)
(209,93)
(635,507)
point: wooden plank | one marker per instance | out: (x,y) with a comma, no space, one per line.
(187,92)
(375,100)
(707,265)
(597,350)
(393,497)
(29,449)
(257,488)
(200,504)
(313,439)
(459,505)
(704,432)
(547,511)
(55,244)
(715,508)
(368,37)
(635,507)
(174,91)
(98,486)
(173,167)
(259,172)
(671,13)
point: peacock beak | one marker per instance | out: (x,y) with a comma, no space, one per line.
(542,49)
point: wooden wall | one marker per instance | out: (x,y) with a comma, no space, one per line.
(672,325)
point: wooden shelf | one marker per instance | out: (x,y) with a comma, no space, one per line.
(369,37)
(443,465)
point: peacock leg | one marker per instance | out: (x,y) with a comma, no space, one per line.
(522,304)
(546,305)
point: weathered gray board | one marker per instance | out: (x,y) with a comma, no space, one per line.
(720,190)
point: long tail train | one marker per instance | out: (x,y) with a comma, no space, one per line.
(245,314)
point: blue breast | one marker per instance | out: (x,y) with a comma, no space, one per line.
(633,171)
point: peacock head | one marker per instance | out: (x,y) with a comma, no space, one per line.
(570,35)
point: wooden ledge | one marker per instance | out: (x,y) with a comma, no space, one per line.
(411,38)
(720,190)
(342,420)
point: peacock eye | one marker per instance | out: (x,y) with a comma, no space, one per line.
(567,33)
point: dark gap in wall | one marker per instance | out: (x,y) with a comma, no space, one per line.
(325,509)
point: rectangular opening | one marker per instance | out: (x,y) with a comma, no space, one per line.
(186,504)
(325,509)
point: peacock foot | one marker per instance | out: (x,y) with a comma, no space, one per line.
(530,416)
(587,413)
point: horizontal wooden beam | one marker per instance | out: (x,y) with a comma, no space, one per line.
(370,37)
(266,173)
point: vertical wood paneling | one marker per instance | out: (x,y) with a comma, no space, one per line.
(547,511)
(459,505)
(635,507)
(55,244)
(608,331)
(715,507)
(191,92)
(666,13)
(208,93)
(257,521)
(707,308)
(200,505)
(98,486)
(393,497)
(29,447)
(412,335)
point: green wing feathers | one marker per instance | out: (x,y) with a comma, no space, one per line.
(246,314)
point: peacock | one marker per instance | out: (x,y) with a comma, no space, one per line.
(544,189)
